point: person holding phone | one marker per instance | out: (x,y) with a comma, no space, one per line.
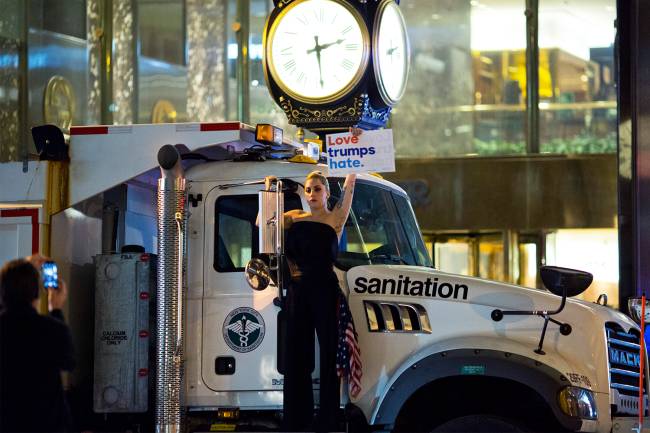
(34,348)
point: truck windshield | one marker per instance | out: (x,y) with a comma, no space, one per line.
(381,229)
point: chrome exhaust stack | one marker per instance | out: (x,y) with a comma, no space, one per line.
(172,194)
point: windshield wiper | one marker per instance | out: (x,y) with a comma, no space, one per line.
(392,257)
(231,185)
(288,184)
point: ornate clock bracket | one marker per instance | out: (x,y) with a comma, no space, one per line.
(355,111)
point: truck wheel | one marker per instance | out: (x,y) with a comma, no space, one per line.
(479,423)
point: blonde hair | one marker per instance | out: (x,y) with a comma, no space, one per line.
(320,177)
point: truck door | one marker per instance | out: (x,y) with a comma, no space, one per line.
(239,335)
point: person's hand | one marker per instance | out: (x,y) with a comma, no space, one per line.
(355,131)
(37,260)
(56,297)
(268,180)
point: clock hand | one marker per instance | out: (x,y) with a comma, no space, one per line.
(320,70)
(390,51)
(338,41)
(317,49)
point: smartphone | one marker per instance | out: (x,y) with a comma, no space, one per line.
(50,275)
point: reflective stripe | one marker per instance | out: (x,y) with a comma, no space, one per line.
(89,130)
(225,126)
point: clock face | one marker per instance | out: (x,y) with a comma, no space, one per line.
(317,50)
(391,51)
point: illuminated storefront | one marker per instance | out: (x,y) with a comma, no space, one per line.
(500,185)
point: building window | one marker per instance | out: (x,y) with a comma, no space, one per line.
(161,24)
(66,17)
(576,86)
(466,93)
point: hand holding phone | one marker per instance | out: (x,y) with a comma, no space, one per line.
(50,275)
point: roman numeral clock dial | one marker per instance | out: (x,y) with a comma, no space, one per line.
(391,52)
(317,50)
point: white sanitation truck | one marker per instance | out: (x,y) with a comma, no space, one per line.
(440,352)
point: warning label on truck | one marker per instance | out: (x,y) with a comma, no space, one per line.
(113,338)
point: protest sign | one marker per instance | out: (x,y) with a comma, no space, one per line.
(372,151)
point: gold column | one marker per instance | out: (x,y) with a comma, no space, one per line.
(57,198)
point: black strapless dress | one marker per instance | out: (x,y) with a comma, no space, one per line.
(311,248)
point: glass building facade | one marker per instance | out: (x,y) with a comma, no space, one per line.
(507,169)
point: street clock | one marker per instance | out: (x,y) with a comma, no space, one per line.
(331,64)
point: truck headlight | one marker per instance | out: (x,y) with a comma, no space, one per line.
(634,307)
(577,402)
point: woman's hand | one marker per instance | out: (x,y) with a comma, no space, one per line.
(355,131)
(268,180)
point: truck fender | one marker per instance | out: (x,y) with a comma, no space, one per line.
(545,380)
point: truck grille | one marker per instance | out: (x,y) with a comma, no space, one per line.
(623,353)
(396,317)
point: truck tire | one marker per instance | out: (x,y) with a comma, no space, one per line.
(479,423)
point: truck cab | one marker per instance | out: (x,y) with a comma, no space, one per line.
(381,229)
(440,352)
(427,338)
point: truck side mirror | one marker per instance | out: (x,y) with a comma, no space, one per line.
(563,282)
(258,275)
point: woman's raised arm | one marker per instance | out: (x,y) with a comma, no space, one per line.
(342,207)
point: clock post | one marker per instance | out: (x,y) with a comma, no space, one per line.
(332,64)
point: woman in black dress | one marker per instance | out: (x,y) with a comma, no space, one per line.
(311,248)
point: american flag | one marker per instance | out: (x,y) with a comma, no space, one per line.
(348,355)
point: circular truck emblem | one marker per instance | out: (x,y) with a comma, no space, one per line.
(243,329)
